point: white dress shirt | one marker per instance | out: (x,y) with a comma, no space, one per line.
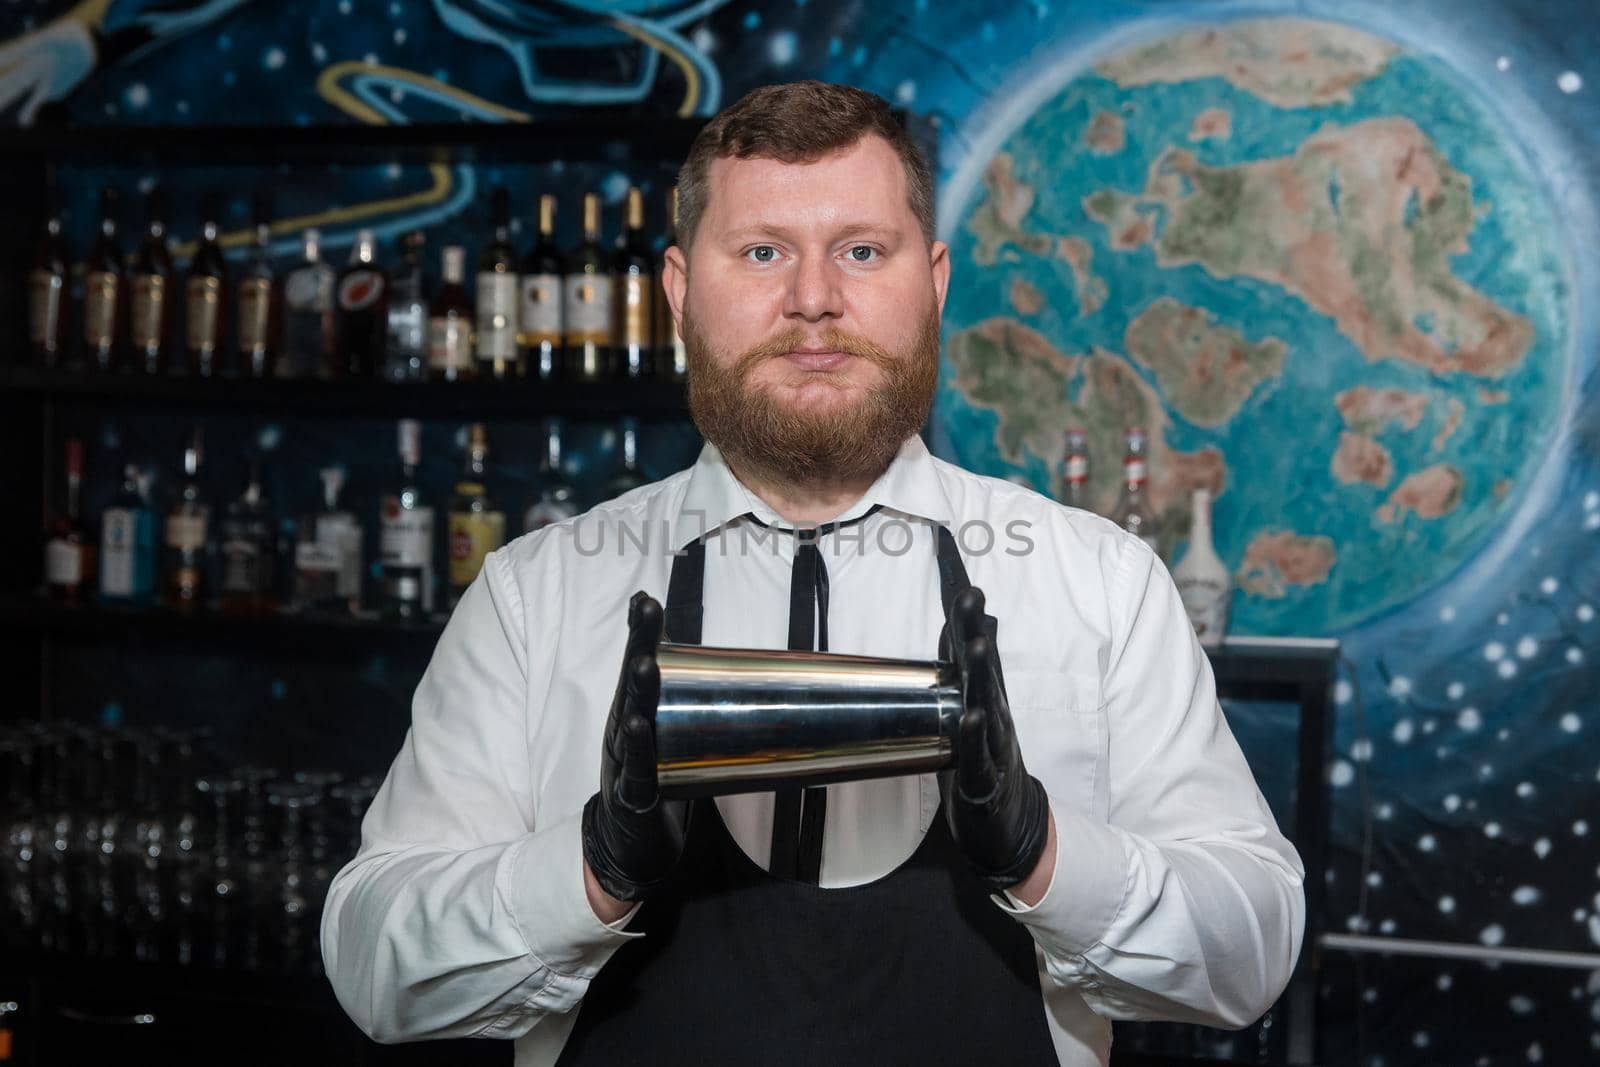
(1174,896)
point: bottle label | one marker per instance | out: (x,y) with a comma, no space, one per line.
(586,304)
(63,562)
(44,307)
(540,312)
(449,343)
(120,573)
(545,512)
(408,329)
(497,315)
(473,535)
(406,536)
(203,313)
(634,312)
(1206,601)
(1077,468)
(255,303)
(309,289)
(99,308)
(360,289)
(186,533)
(243,569)
(149,311)
(335,551)
(1133,471)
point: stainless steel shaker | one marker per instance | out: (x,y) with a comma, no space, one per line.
(737,720)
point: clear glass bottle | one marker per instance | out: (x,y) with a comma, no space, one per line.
(539,329)
(1203,580)
(187,535)
(1133,512)
(406,534)
(308,335)
(249,551)
(128,542)
(450,321)
(586,301)
(633,287)
(204,310)
(408,313)
(630,476)
(1074,490)
(69,551)
(151,296)
(555,498)
(495,339)
(327,556)
(477,527)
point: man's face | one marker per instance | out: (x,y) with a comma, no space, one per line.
(810,305)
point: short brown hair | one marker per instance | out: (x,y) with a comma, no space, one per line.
(798,122)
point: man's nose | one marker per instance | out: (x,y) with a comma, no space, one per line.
(814,290)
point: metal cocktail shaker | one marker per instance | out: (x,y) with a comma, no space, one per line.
(739,720)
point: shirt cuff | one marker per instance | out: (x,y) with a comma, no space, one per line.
(543,888)
(1086,890)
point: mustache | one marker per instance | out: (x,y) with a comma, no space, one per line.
(832,337)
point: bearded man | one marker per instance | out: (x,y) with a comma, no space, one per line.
(1099,850)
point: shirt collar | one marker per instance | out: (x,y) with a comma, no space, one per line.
(714,497)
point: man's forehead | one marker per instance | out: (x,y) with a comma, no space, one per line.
(865,180)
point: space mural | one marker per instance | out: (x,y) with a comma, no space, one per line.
(1331,255)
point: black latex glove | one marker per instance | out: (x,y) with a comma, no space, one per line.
(998,812)
(631,837)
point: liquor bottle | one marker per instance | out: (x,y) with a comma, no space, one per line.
(450,321)
(539,312)
(327,556)
(128,542)
(69,553)
(630,476)
(1202,578)
(477,527)
(363,311)
(204,319)
(408,313)
(556,499)
(633,293)
(308,315)
(150,331)
(260,302)
(1133,505)
(672,357)
(406,535)
(47,291)
(586,301)
(248,546)
(1074,490)
(187,534)
(104,291)
(497,297)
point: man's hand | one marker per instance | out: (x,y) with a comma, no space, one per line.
(631,837)
(998,812)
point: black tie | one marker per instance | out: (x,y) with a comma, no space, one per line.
(797,818)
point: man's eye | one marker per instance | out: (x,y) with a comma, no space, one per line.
(763,253)
(863,253)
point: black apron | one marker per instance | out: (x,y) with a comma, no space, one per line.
(737,966)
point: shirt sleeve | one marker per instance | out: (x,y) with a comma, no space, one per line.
(1188,904)
(459,915)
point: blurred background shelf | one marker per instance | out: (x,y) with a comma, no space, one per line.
(477,399)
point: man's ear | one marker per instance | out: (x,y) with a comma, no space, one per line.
(939,263)
(675,282)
